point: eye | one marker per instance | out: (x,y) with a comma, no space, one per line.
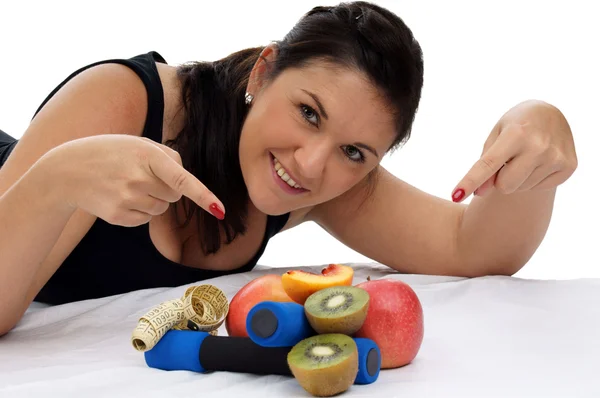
(310,114)
(354,154)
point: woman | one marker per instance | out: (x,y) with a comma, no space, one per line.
(136,174)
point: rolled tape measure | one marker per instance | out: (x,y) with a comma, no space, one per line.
(201,308)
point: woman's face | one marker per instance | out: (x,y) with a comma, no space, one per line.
(324,127)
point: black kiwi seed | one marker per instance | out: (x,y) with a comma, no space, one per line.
(349,299)
(335,347)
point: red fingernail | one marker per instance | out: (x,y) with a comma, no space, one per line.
(458,195)
(216,211)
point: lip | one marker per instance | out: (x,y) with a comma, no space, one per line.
(283,184)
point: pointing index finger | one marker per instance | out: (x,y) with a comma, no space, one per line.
(185,183)
(483,169)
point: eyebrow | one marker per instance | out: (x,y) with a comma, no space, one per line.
(367,147)
(319,104)
(322,109)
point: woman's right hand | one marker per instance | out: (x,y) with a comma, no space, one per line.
(124,179)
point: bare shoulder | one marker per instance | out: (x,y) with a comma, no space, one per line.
(111,91)
(104,99)
(394,223)
(360,201)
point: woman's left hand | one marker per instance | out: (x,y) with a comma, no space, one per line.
(530,148)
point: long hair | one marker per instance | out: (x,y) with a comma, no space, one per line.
(357,35)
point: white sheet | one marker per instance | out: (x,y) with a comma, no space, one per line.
(484,337)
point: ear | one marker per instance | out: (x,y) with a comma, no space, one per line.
(260,72)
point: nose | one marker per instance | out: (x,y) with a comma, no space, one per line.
(311,159)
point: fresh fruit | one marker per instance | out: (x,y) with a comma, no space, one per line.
(324,364)
(264,288)
(301,284)
(337,309)
(394,321)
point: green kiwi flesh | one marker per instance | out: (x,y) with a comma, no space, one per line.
(325,364)
(337,309)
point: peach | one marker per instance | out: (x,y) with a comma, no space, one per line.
(301,284)
(264,288)
(394,321)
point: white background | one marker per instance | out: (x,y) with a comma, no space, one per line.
(481,58)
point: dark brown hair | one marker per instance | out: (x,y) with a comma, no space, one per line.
(357,35)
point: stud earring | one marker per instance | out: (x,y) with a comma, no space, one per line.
(249,98)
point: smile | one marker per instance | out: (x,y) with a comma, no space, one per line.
(283,178)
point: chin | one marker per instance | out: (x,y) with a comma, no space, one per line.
(268,204)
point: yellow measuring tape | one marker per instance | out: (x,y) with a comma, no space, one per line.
(202,308)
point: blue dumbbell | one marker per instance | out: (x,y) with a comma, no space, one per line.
(202,352)
(278,324)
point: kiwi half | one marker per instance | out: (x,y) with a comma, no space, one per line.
(325,364)
(337,309)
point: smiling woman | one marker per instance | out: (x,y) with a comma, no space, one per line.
(136,174)
(324,124)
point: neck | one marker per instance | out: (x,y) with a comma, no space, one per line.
(174,117)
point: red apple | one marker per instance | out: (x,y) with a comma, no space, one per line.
(264,288)
(394,321)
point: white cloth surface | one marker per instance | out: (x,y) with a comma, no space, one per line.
(484,337)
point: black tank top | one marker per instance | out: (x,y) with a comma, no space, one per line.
(112,259)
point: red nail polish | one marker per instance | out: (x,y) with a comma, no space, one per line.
(458,195)
(216,211)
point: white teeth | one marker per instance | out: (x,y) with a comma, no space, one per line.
(284,176)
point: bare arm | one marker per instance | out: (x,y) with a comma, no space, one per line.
(499,233)
(399,226)
(37,231)
(415,232)
(33,215)
(529,152)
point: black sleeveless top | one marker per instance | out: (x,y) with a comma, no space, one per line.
(113,259)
